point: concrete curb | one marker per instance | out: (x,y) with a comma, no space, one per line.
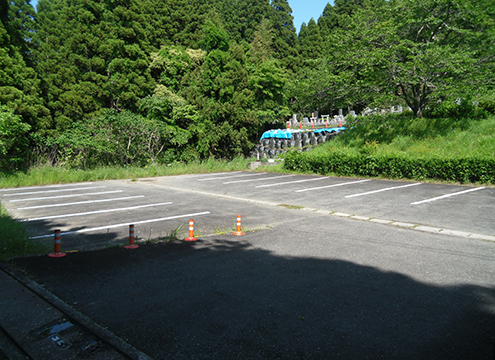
(82,320)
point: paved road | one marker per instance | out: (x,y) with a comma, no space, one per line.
(309,286)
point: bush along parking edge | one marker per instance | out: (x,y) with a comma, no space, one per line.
(461,170)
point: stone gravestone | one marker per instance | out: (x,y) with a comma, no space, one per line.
(313,140)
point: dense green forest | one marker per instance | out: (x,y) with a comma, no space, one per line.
(85,83)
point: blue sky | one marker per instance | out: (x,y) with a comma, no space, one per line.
(302,10)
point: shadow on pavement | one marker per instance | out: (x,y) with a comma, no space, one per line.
(221,299)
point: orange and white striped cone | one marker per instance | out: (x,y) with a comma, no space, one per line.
(131,239)
(312,124)
(340,123)
(191,231)
(300,125)
(326,124)
(238,230)
(288,125)
(57,252)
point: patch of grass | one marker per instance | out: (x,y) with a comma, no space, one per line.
(14,240)
(412,137)
(294,207)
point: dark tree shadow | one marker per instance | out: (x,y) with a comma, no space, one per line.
(221,299)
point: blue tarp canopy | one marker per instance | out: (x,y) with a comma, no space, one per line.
(287,133)
(277,133)
(334,129)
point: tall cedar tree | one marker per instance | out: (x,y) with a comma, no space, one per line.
(241,17)
(285,41)
(311,43)
(19,84)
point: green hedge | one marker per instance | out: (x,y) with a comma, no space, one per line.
(462,170)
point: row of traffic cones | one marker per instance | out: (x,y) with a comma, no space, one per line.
(58,253)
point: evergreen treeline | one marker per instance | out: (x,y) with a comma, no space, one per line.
(96,82)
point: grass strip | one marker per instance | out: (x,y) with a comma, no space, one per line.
(14,240)
(46,175)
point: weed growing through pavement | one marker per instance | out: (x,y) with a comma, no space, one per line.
(294,207)
(223,230)
(174,234)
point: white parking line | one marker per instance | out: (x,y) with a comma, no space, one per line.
(270,178)
(334,185)
(53,191)
(43,187)
(209,174)
(95,212)
(79,203)
(446,196)
(290,182)
(380,190)
(67,196)
(229,177)
(120,225)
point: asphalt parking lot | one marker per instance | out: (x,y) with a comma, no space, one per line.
(338,268)
(93,215)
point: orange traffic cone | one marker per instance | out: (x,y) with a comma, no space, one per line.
(238,232)
(57,252)
(131,239)
(191,231)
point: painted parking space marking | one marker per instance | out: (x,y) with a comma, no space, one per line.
(209,174)
(42,187)
(96,212)
(121,225)
(79,202)
(290,182)
(67,196)
(381,190)
(334,185)
(446,196)
(229,177)
(269,178)
(53,191)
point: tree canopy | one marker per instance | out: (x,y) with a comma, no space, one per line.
(206,77)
